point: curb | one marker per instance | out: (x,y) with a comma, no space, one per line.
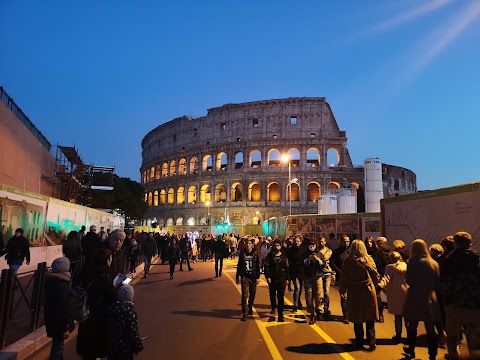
(36,340)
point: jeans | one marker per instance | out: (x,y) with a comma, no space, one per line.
(432,340)
(56,352)
(147,260)
(327,280)
(172,263)
(14,266)
(184,257)
(359,333)
(249,289)
(313,294)
(276,290)
(297,290)
(218,259)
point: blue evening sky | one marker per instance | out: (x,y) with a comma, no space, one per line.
(402,76)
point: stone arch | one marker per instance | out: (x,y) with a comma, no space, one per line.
(170,221)
(333,157)
(164,170)
(161,222)
(150,198)
(144,177)
(273,192)
(205,194)
(239,160)
(180,195)
(155,198)
(356,184)
(273,157)
(207,163)
(221,162)
(179,221)
(220,193)
(182,167)
(255,159)
(157,172)
(334,185)
(254,192)
(191,221)
(194,165)
(313,191)
(173,168)
(295,188)
(171,196)
(236,193)
(192,195)
(152,173)
(163,197)
(313,158)
(294,157)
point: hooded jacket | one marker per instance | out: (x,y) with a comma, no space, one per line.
(395,285)
(57,307)
(276,267)
(313,269)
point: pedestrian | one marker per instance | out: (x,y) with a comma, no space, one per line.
(313,272)
(220,251)
(461,284)
(395,285)
(339,255)
(233,246)
(421,303)
(92,339)
(328,275)
(119,259)
(149,249)
(17,250)
(248,275)
(381,262)
(173,255)
(185,248)
(57,307)
(133,253)
(123,337)
(357,284)
(90,243)
(295,260)
(276,270)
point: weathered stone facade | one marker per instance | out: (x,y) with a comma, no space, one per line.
(231,159)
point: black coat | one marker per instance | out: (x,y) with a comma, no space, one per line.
(253,271)
(57,307)
(92,339)
(149,247)
(277,271)
(18,248)
(295,260)
(90,243)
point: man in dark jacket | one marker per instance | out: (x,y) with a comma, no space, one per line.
(149,249)
(461,285)
(18,249)
(276,270)
(314,264)
(248,273)
(119,259)
(220,251)
(295,261)
(90,243)
(185,247)
(336,262)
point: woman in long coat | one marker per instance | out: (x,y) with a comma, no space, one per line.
(421,303)
(395,285)
(92,340)
(358,283)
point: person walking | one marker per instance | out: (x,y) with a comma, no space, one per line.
(173,255)
(221,251)
(357,284)
(295,260)
(381,262)
(313,272)
(276,270)
(395,285)
(16,251)
(248,275)
(149,249)
(339,255)
(233,246)
(57,307)
(421,303)
(185,249)
(328,275)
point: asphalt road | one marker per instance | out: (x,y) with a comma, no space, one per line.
(197,316)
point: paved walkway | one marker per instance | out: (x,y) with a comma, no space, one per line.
(197,316)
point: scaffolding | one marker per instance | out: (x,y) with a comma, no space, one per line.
(81,183)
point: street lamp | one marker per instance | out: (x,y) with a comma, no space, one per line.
(208,211)
(286,159)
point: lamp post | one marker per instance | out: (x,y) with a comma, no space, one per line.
(208,212)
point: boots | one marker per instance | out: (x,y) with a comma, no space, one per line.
(312,319)
(452,346)
(432,347)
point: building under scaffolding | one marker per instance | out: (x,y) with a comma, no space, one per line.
(82,183)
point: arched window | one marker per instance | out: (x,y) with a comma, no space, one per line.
(182,167)
(237,192)
(180,195)
(146,198)
(313,158)
(194,165)
(192,195)
(164,170)
(333,186)
(295,192)
(254,193)
(220,193)
(294,157)
(333,157)
(191,221)
(179,221)
(207,163)
(205,194)
(157,172)
(145,177)
(149,199)
(173,168)
(152,173)
(169,222)
(273,192)
(163,197)
(155,198)
(255,159)
(273,157)
(161,222)
(313,191)
(171,196)
(239,160)
(221,162)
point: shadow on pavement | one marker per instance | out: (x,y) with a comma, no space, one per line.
(326,348)
(195,282)
(215,313)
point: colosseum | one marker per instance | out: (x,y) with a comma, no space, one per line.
(227,165)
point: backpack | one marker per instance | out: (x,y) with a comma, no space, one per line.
(80,302)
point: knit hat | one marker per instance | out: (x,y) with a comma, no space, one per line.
(60,265)
(125,293)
